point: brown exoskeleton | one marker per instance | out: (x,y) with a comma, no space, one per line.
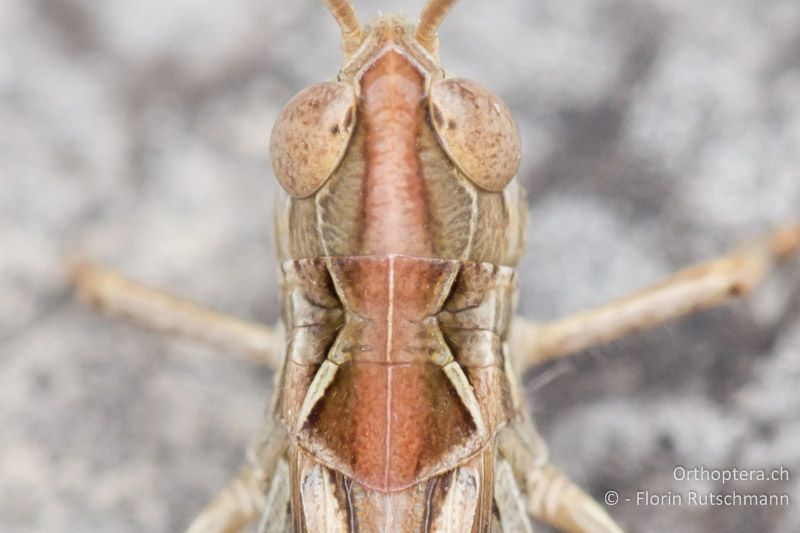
(399,405)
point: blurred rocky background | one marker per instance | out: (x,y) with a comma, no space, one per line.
(656,133)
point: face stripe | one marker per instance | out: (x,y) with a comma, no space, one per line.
(396,208)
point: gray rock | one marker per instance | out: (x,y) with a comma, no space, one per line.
(656,133)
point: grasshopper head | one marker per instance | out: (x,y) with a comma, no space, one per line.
(408,161)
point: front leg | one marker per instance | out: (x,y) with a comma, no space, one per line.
(703,286)
(116,294)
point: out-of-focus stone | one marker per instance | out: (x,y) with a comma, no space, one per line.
(655,133)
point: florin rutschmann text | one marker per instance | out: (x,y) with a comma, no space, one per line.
(698,497)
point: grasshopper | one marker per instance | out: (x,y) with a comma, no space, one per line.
(399,404)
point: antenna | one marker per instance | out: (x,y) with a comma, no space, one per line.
(345,15)
(431,17)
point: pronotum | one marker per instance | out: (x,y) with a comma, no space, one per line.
(472,462)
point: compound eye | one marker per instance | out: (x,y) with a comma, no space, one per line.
(477,131)
(311,136)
